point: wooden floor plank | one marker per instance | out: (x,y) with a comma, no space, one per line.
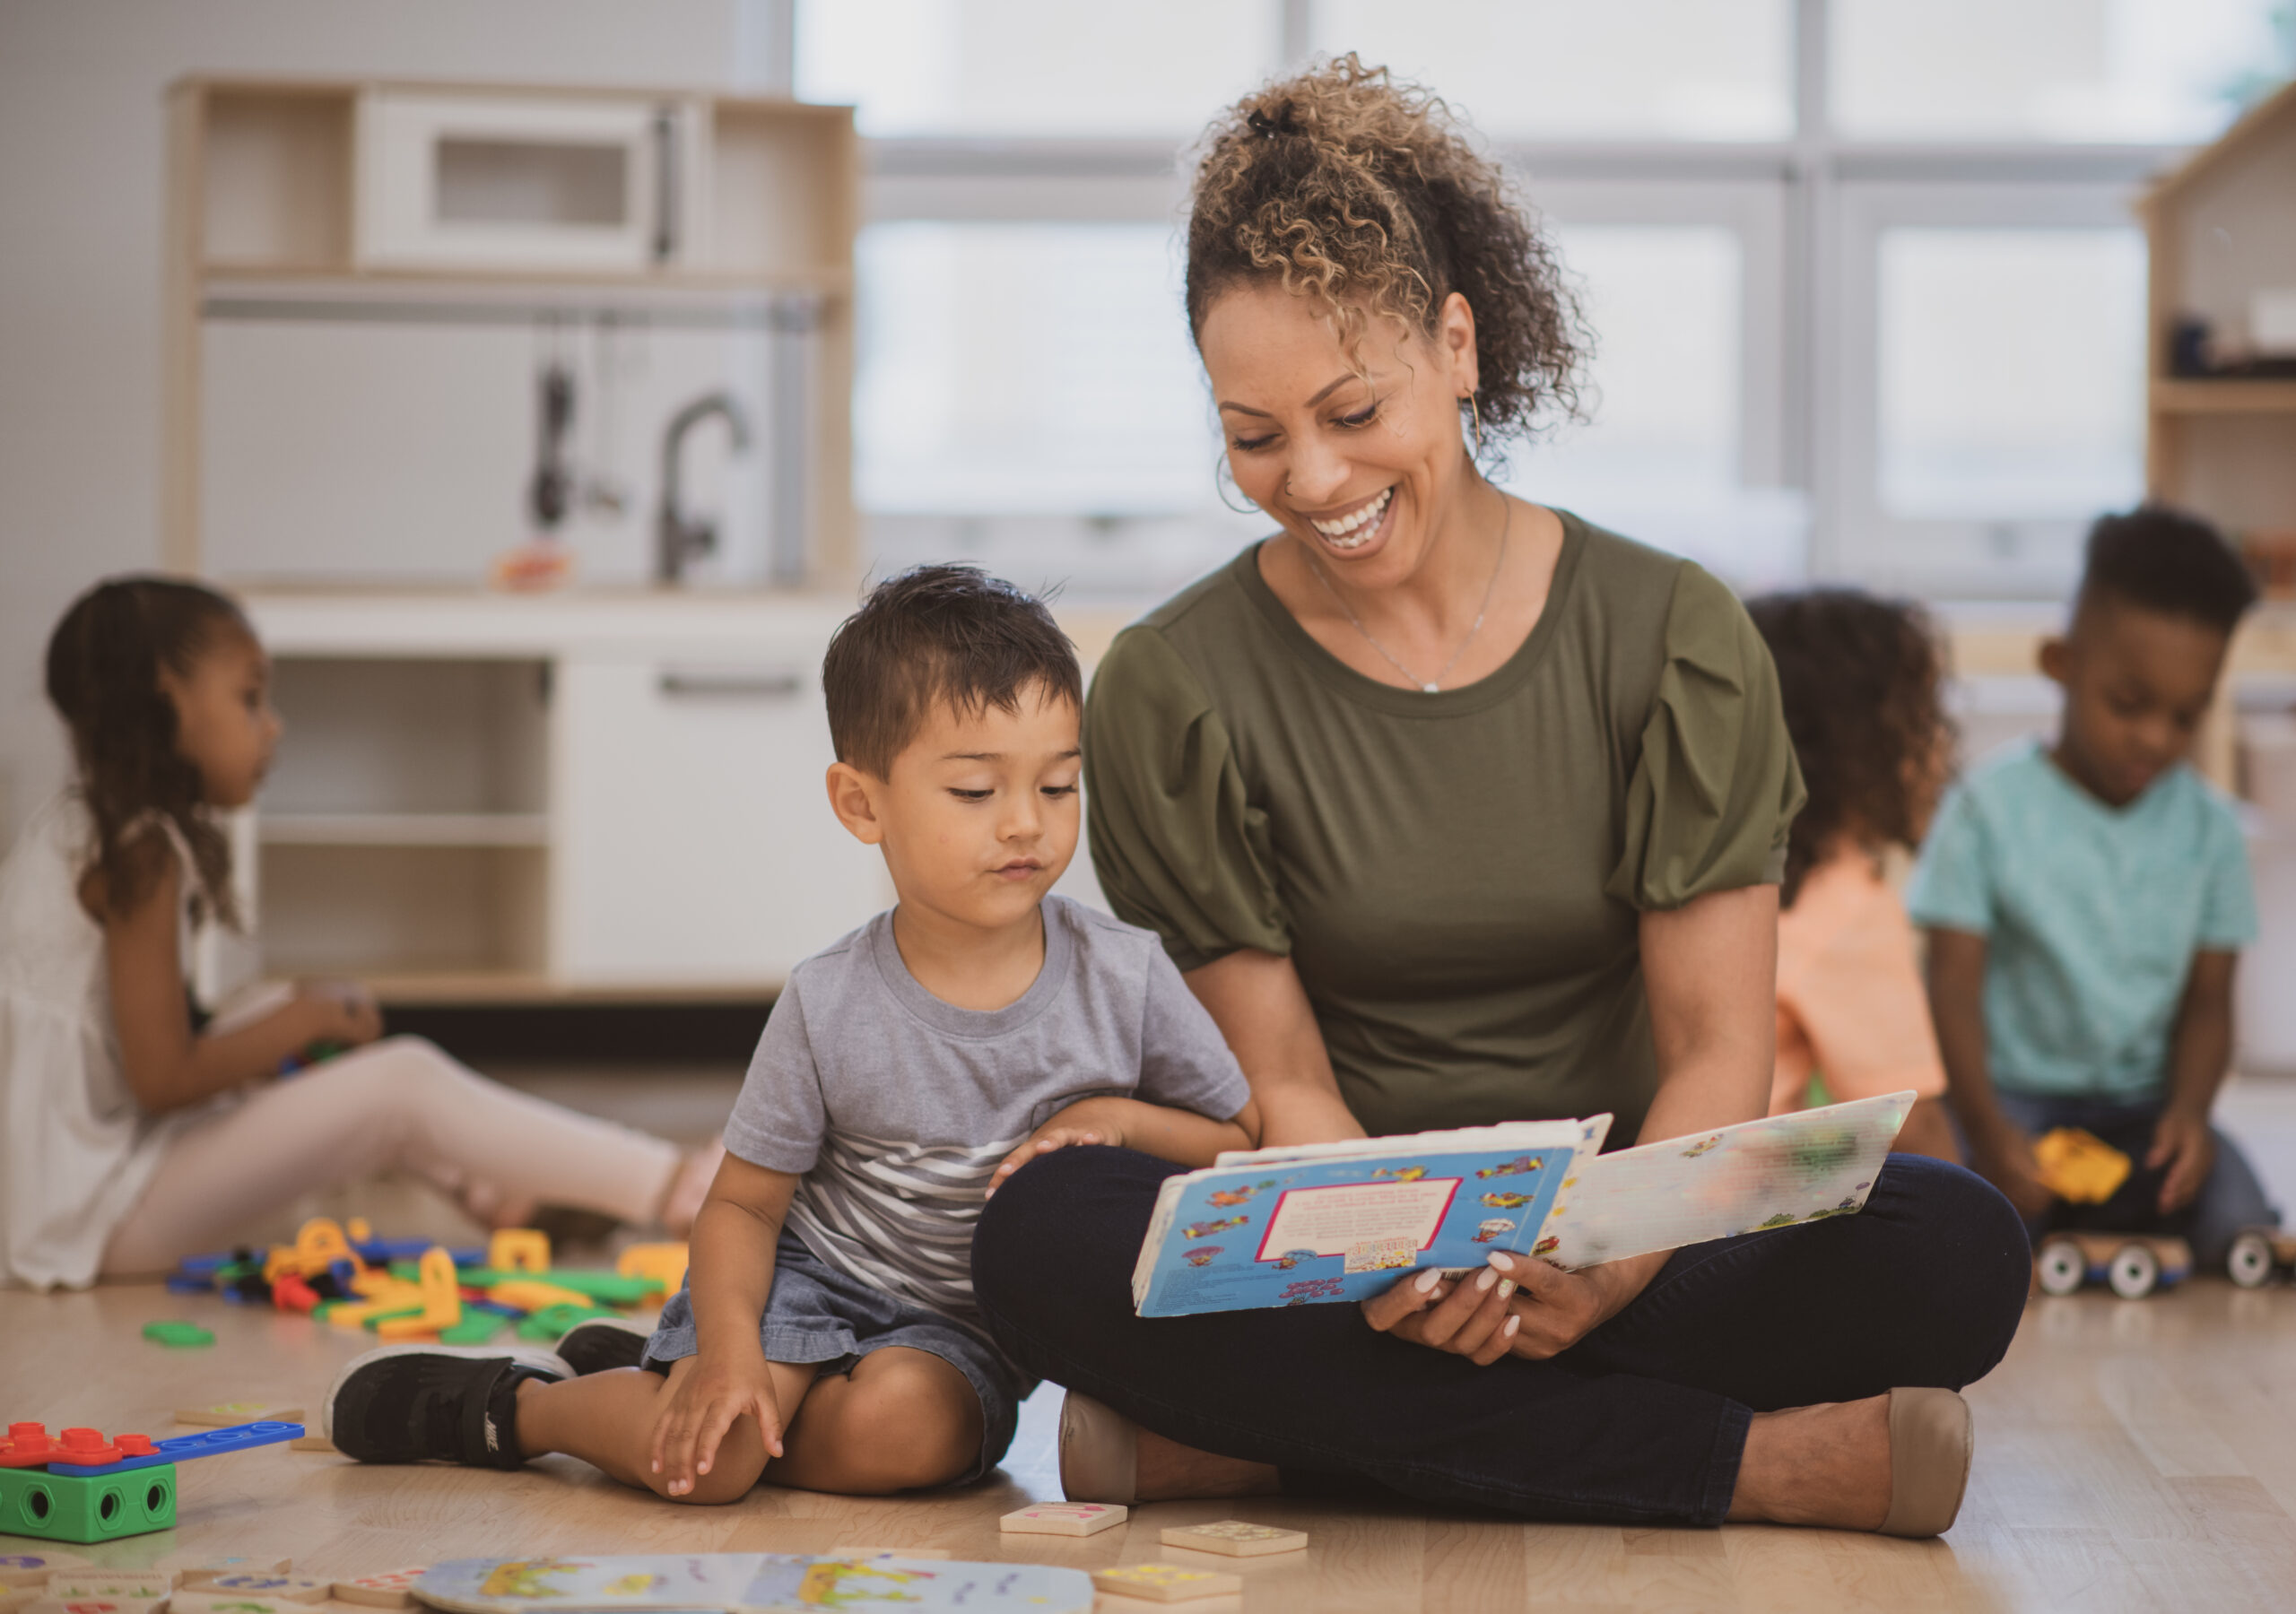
(2131,1456)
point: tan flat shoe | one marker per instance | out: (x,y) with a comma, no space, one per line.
(1931,1442)
(1100,1453)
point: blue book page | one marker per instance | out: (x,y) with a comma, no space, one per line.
(1312,1228)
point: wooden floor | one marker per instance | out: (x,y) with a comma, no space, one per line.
(2131,1455)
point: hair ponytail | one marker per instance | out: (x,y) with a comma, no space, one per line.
(104,662)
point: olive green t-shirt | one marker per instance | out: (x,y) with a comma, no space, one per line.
(1456,876)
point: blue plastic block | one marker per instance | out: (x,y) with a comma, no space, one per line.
(191,1265)
(381,1252)
(182,1448)
(184,1283)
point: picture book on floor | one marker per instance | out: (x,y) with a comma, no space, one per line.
(750,1583)
(1340,1221)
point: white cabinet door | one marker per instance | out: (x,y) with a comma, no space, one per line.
(695,845)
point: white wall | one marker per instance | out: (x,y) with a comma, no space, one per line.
(81,152)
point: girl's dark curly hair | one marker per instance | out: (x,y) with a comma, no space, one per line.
(1365,195)
(104,662)
(1863,684)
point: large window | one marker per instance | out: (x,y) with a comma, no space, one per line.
(1868,294)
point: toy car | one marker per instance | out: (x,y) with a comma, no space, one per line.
(2131,1264)
(2257,1253)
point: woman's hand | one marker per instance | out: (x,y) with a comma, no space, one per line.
(343,1012)
(701,1403)
(1469,1318)
(1516,1306)
(1085,1121)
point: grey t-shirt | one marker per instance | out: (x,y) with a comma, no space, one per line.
(894,1108)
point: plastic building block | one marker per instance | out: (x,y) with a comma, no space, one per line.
(551,1322)
(664,1263)
(290,1292)
(442,1303)
(1166,1582)
(35,1568)
(225,1415)
(477,1328)
(532,1294)
(181,1335)
(1233,1538)
(183,1448)
(1064,1518)
(606,1289)
(185,1283)
(394,1589)
(62,1507)
(519,1250)
(2080,1166)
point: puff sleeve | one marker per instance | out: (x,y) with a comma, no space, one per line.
(1178,846)
(1717,786)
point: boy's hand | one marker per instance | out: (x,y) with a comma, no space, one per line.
(1080,1123)
(342,1011)
(701,1405)
(2005,1158)
(2181,1143)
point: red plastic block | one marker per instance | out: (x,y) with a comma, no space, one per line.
(85,1448)
(291,1293)
(27,1447)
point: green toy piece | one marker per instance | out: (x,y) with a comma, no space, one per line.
(53,1508)
(179,1335)
(477,1328)
(551,1322)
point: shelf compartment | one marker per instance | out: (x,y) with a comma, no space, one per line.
(2204,397)
(275,180)
(380,742)
(399,909)
(404,830)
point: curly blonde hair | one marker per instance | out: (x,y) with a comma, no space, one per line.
(1364,195)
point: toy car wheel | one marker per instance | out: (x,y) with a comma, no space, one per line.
(2062,1267)
(2250,1262)
(2133,1271)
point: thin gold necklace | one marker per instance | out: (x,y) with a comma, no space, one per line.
(1431,686)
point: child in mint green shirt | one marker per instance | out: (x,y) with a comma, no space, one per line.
(2087,900)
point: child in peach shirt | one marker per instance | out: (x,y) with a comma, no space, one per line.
(1860,678)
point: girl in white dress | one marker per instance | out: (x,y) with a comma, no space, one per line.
(128,1137)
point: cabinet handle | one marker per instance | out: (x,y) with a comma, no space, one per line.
(732,685)
(666,184)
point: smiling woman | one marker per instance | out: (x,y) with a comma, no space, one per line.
(1456,808)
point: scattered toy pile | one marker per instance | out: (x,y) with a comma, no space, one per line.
(412,1289)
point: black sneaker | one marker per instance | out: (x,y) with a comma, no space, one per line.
(602,1343)
(445,1403)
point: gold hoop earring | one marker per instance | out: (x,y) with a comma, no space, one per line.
(1222,479)
(1475,414)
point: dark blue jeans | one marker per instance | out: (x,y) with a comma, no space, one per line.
(1642,1421)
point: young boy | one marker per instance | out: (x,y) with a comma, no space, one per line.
(828,1328)
(2085,904)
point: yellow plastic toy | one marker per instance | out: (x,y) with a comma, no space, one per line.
(519,1250)
(2080,1166)
(662,1262)
(532,1295)
(442,1301)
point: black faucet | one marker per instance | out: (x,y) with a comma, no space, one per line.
(677,540)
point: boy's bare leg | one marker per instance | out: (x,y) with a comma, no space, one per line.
(902,1419)
(607,1419)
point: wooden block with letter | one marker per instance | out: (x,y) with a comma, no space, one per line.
(392,1589)
(192,1569)
(268,1588)
(1233,1538)
(1063,1518)
(34,1568)
(1166,1582)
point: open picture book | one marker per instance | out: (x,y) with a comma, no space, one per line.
(1341,1221)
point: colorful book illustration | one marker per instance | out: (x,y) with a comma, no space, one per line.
(751,1583)
(1340,1221)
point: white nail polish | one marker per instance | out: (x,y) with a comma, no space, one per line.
(1426,1281)
(1485,1279)
(1511,1324)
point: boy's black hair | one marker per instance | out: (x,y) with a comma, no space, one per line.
(1861,680)
(2169,561)
(938,633)
(104,662)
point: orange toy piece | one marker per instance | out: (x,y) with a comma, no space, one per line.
(663,1262)
(532,1294)
(442,1301)
(519,1250)
(2080,1166)
(320,1244)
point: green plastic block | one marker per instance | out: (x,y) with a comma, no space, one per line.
(53,1507)
(477,1328)
(375,1319)
(607,1289)
(178,1334)
(552,1320)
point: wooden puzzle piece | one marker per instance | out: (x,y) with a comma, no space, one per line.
(1233,1538)
(905,1552)
(1166,1582)
(1063,1518)
(110,1585)
(50,1604)
(35,1568)
(223,1414)
(270,1588)
(198,1568)
(311,1443)
(392,1589)
(204,1600)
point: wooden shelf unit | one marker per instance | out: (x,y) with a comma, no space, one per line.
(264,192)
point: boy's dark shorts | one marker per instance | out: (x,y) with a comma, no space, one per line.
(816,1313)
